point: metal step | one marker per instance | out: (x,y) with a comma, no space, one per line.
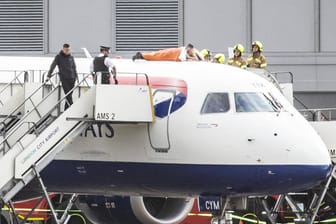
(16,185)
(37,145)
(27,149)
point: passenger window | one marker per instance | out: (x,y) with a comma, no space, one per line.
(216,103)
(255,102)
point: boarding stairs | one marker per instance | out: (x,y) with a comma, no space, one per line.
(44,129)
(12,92)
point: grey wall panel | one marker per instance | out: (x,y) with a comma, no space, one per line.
(21,26)
(284,26)
(215,24)
(328,31)
(82,23)
(318,78)
(287,28)
(143,25)
(304,76)
(315,100)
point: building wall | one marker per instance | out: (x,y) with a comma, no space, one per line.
(298,35)
(83,23)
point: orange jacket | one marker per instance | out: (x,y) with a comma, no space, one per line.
(170,54)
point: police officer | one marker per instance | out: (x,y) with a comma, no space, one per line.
(256,60)
(102,63)
(67,72)
(237,60)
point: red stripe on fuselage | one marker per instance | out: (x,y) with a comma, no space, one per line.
(156,83)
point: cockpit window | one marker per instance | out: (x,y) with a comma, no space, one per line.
(216,103)
(256,102)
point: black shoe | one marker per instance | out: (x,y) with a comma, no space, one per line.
(138,55)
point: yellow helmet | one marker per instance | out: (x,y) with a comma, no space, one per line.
(205,52)
(259,44)
(220,58)
(240,48)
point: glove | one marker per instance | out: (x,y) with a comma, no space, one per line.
(115,80)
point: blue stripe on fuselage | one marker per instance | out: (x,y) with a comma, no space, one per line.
(162,108)
(180,179)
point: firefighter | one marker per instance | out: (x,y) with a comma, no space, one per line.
(205,53)
(238,60)
(256,60)
(219,58)
(102,63)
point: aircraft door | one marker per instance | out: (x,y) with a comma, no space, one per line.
(158,132)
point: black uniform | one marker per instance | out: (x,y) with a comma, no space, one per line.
(67,72)
(99,66)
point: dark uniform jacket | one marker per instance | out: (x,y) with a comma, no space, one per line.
(99,65)
(66,66)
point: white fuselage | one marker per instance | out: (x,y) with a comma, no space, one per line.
(188,152)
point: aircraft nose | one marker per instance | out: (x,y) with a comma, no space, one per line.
(316,152)
(308,165)
(307,159)
(312,152)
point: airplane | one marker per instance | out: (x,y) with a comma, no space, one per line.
(219,131)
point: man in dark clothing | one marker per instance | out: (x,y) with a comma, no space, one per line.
(67,72)
(102,63)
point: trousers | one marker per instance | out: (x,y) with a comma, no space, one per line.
(67,85)
(105,79)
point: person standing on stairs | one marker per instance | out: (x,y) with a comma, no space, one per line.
(67,72)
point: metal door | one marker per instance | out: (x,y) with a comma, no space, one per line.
(158,132)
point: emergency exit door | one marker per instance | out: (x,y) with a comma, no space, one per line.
(159,131)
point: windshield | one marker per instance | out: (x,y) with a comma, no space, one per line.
(256,102)
(216,103)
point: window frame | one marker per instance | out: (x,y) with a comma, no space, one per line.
(258,111)
(220,112)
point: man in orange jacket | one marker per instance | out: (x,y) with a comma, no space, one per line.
(186,53)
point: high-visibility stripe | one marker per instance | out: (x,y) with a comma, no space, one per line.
(31,218)
(80,216)
(333,220)
(247,219)
(200,214)
(38,210)
(77,213)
